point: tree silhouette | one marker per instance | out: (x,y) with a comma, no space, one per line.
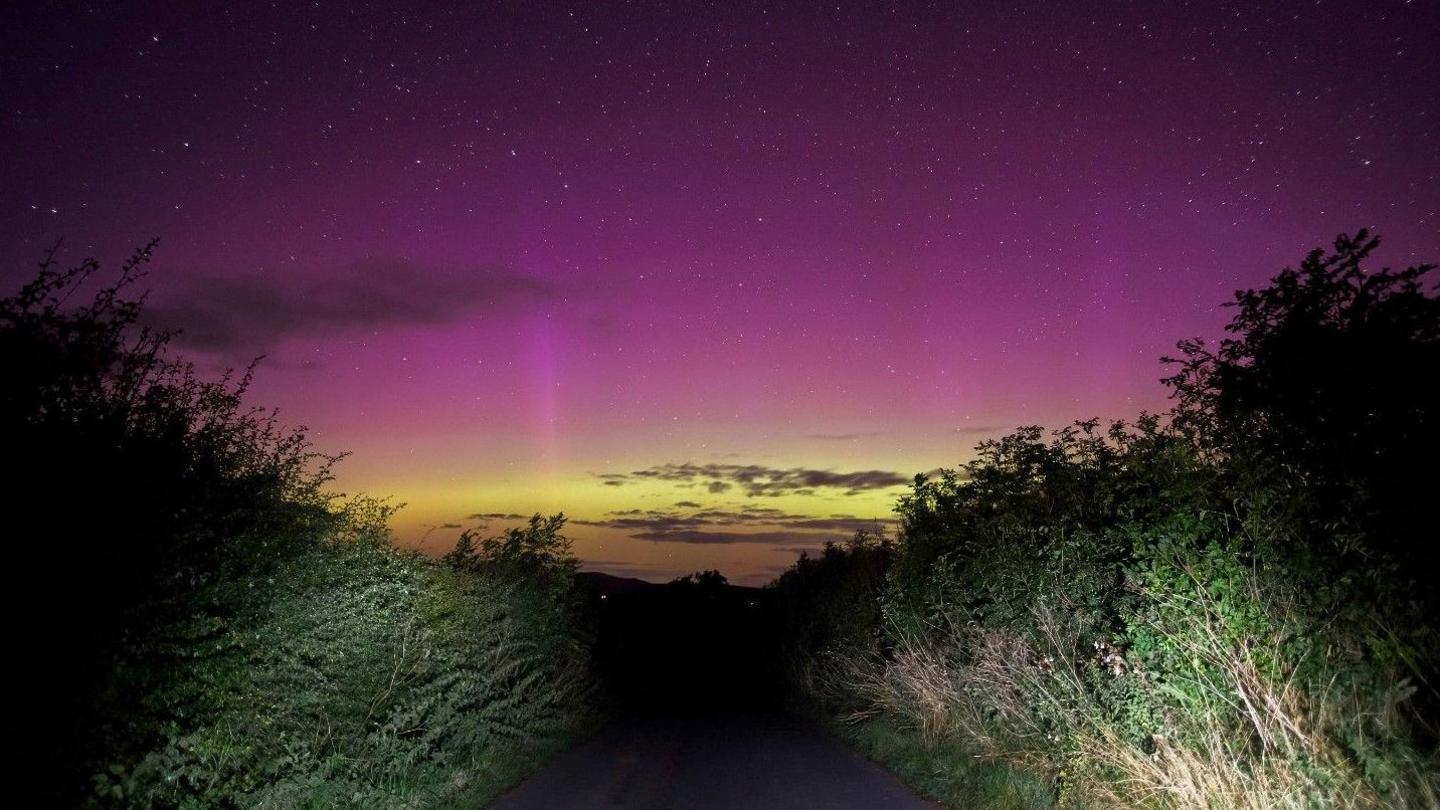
(702,581)
(1326,391)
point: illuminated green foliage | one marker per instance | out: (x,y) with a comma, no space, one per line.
(372,677)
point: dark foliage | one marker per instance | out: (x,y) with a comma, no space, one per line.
(1225,606)
(704,581)
(210,628)
(695,645)
(1324,395)
(538,554)
(152,485)
(832,601)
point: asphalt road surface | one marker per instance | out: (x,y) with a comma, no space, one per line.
(711,761)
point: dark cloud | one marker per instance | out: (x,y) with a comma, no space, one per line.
(497,516)
(253,313)
(687,504)
(656,522)
(744,525)
(755,479)
(848,525)
(665,519)
(450,526)
(798,550)
(754,512)
(706,537)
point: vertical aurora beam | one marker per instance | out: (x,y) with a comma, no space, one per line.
(542,338)
(795,237)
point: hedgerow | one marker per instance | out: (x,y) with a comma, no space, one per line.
(1224,606)
(367,677)
(216,627)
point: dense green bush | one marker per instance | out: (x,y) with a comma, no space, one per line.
(367,677)
(147,490)
(1223,607)
(215,628)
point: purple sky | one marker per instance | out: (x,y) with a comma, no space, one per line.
(711,279)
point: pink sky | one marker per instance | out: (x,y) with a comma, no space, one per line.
(500,256)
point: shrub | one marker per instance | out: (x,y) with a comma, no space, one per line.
(369,677)
(1224,607)
(152,491)
(538,554)
(218,629)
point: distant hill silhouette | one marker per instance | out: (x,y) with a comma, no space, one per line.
(695,645)
(596,584)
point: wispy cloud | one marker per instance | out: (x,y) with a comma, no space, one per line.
(759,480)
(975,430)
(747,524)
(704,537)
(253,313)
(761,516)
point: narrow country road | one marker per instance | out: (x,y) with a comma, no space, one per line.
(732,761)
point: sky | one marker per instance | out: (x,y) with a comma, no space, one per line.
(715,280)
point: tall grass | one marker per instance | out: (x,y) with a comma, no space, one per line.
(1219,689)
(1238,729)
